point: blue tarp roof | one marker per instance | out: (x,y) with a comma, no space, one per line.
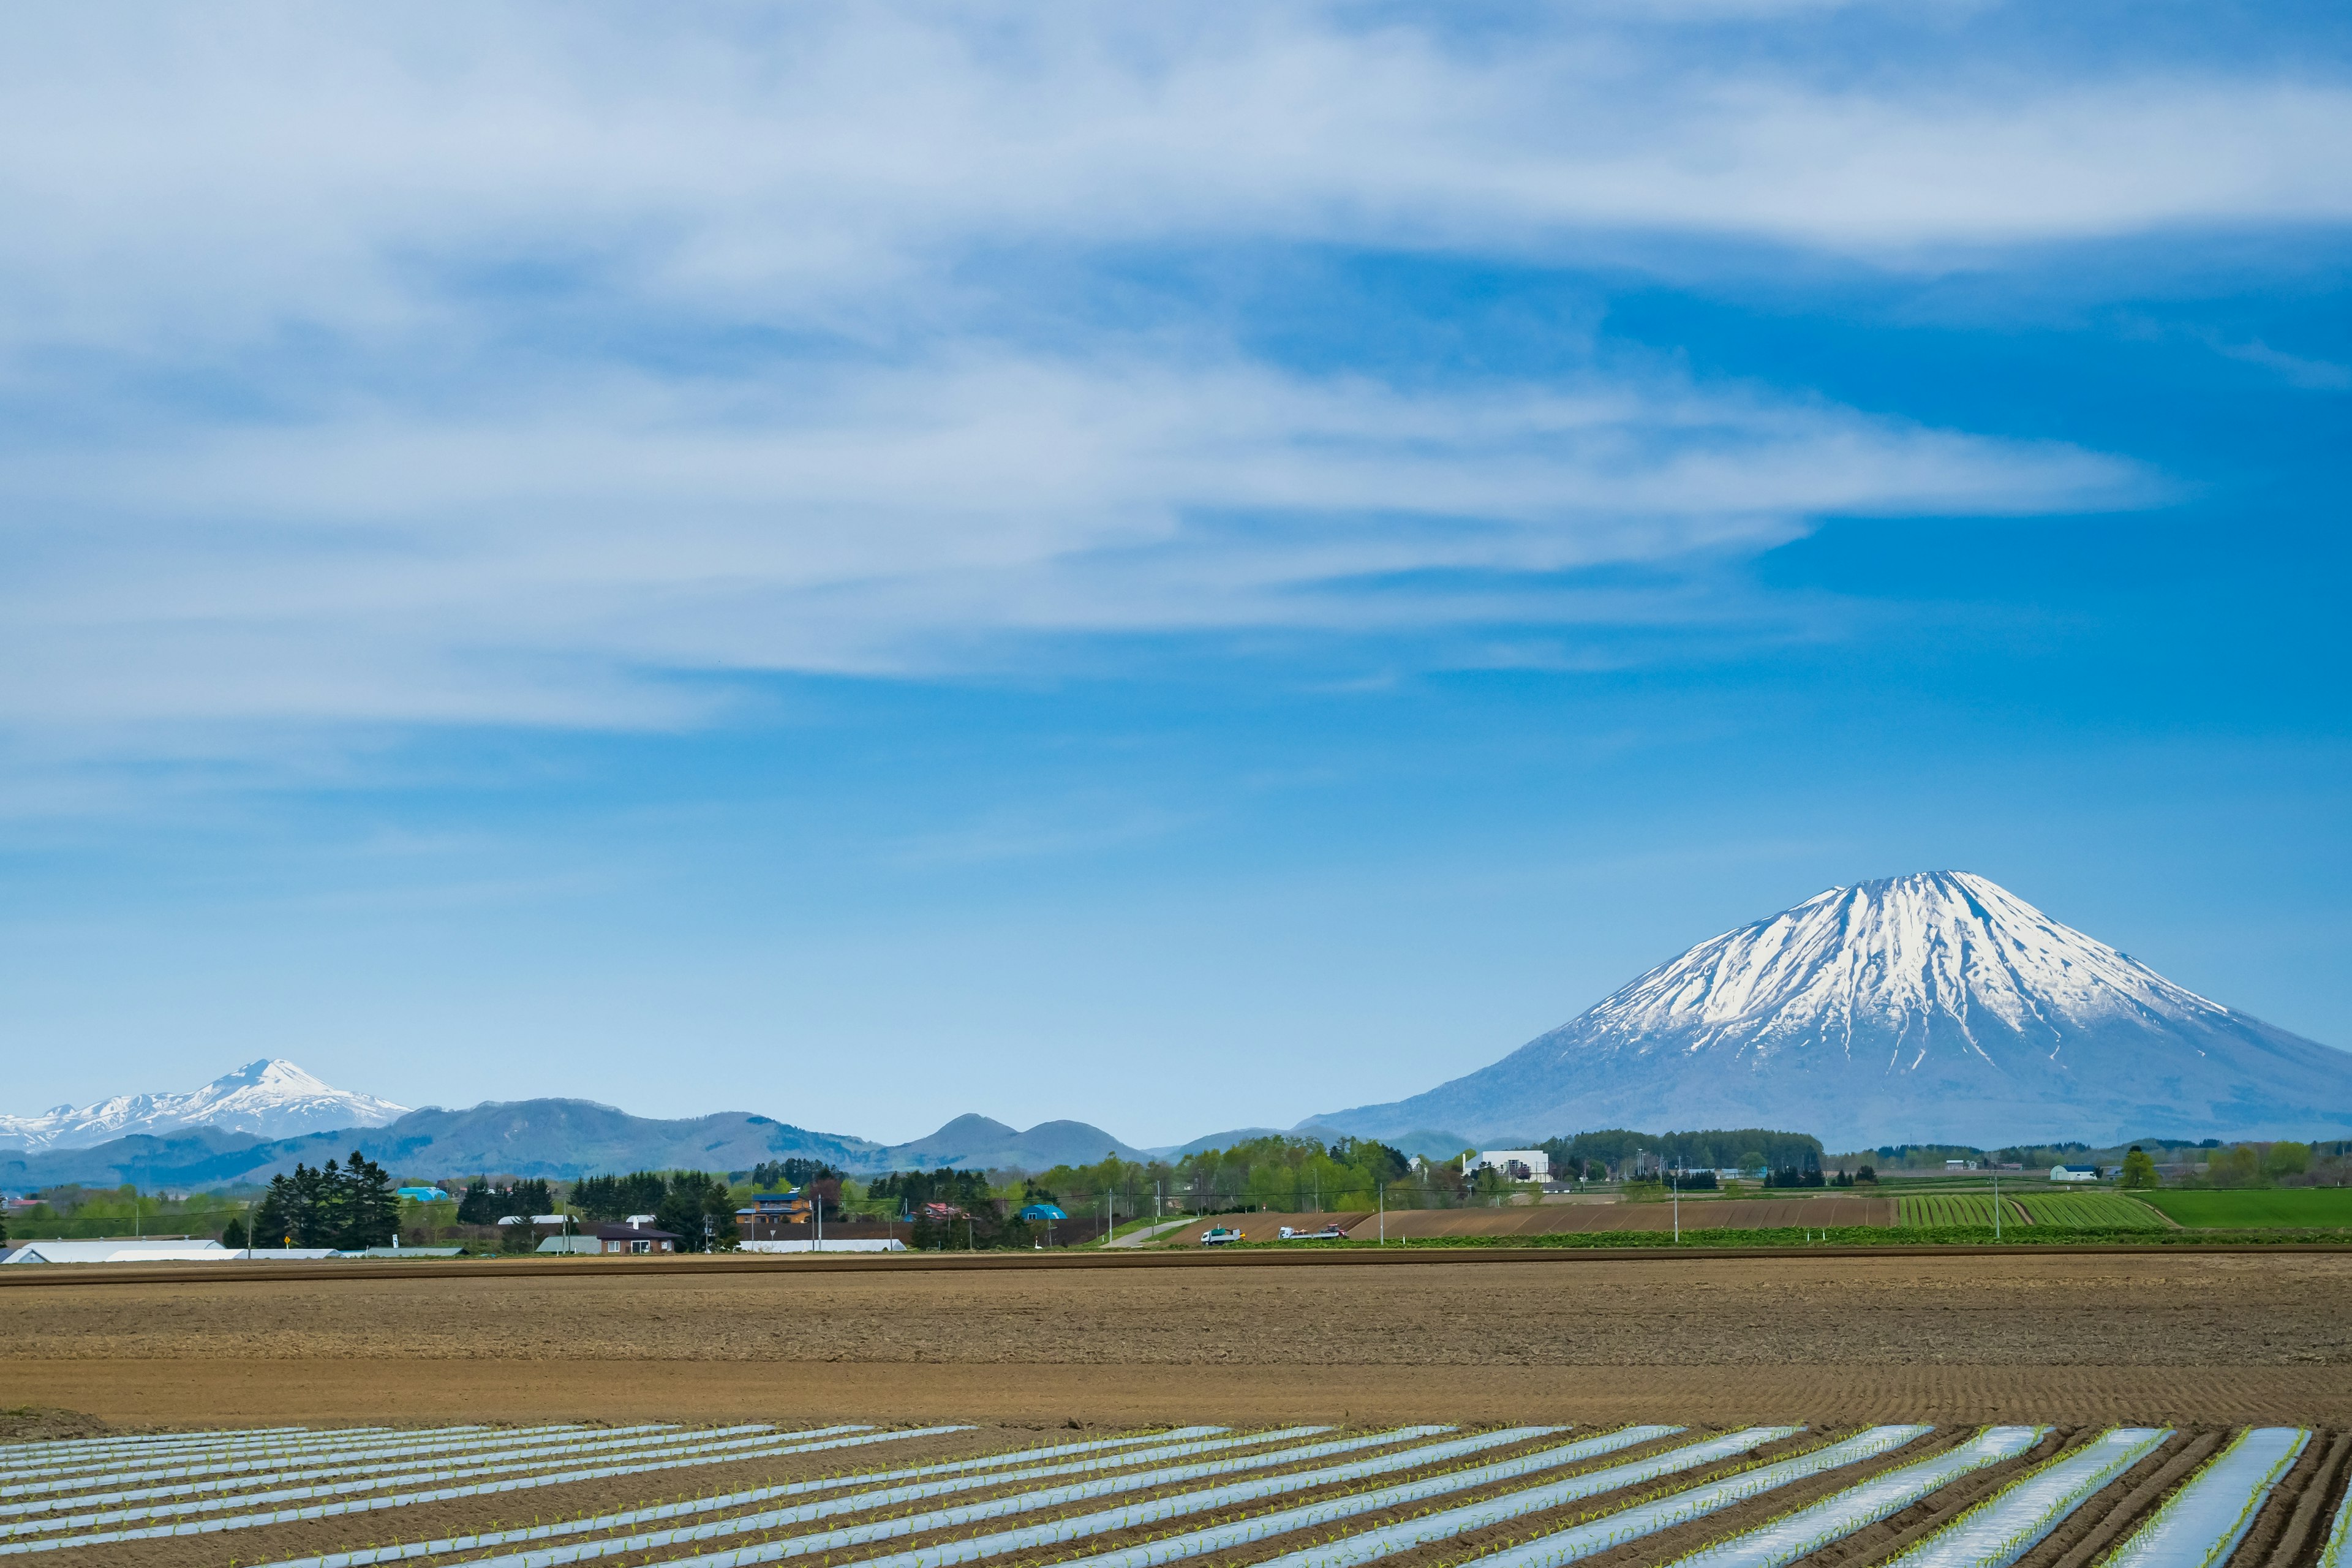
(1043,1211)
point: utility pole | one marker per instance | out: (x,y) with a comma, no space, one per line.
(1996,1204)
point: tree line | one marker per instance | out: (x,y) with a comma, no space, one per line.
(347,1207)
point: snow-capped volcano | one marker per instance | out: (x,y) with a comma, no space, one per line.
(272,1098)
(1930,1008)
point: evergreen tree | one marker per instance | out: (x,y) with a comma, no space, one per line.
(479,1205)
(771,1174)
(231,1236)
(273,1217)
(687,1203)
(532,1197)
(370,1206)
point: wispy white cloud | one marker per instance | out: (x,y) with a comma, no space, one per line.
(551,565)
(387,366)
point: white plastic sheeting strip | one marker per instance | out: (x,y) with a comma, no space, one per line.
(714,1440)
(1800,1534)
(870,1496)
(14,1453)
(450,1494)
(2201,1524)
(11,1452)
(1217,1537)
(2012,1522)
(2337,1553)
(1585,1538)
(1059,1530)
(270,1469)
(995,1508)
(162,1450)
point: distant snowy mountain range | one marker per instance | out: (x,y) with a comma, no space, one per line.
(270,1099)
(1931,1008)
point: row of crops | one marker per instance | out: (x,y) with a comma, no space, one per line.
(2065,1211)
(1296,1497)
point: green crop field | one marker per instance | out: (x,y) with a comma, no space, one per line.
(2092,1211)
(1936,1212)
(2316,1207)
(2063,1211)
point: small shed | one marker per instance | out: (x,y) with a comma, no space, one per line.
(634,1240)
(587,1244)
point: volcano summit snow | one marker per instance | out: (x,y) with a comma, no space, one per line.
(1932,1008)
(270,1099)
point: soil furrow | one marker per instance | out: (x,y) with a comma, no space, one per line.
(2279,1507)
(2095,1529)
(1897,1532)
(2299,1541)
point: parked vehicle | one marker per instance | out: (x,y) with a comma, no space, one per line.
(1218,1235)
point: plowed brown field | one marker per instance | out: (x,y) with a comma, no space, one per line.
(2153,1334)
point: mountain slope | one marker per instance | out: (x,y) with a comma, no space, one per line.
(555,1138)
(269,1099)
(976,1143)
(1937,1007)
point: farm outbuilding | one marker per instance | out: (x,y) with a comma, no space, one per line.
(634,1240)
(2073,1173)
(174,1249)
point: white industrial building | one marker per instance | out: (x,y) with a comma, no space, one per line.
(1514,1165)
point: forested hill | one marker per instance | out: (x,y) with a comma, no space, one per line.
(557,1139)
(553,1138)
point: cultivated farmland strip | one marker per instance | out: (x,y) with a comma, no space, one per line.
(2337,1551)
(712,1440)
(870,1479)
(243,1472)
(871,1497)
(1783,1540)
(996,1508)
(149,1451)
(1261,1527)
(2201,1524)
(1585,1538)
(479,1488)
(2012,1522)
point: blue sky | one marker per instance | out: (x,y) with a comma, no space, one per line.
(1180,570)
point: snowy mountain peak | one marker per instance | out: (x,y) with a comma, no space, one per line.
(1938,1008)
(1926,955)
(271,1098)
